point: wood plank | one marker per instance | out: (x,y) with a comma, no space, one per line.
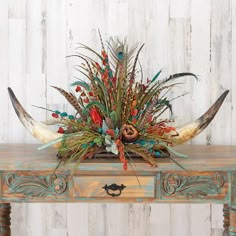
(17,74)
(200,220)
(78,219)
(221,69)
(139,219)
(56,52)
(97,225)
(200,63)
(136,18)
(179,59)
(117,218)
(138,30)
(35,77)
(19,219)
(180,8)
(17,9)
(36,212)
(56,219)
(216,219)
(117,19)
(201,157)
(160,220)
(217,232)
(157,39)
(233,81)
(180,215)
(4,61)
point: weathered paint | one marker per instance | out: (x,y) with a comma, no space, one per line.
(212,185)
(42,185)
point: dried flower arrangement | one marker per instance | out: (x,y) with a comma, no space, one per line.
(115,111)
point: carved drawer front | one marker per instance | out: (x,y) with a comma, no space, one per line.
(41,185)
(114,186)
(194,185)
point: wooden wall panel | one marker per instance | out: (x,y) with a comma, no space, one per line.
(203,225)
(160,216)
(4,39)
(191,35)
(138,219)
(216,219)
(78,214)
(35,73)
(200,62)
(233,66)
(221,64)
(97,219)
(16,63)
(35,217)
(122,216)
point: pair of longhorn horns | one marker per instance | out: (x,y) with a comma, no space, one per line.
(185,132)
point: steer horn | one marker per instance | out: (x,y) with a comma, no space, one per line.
(37,129)
(185,132)
(192,129)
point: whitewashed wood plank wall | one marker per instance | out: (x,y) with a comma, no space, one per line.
(180,35)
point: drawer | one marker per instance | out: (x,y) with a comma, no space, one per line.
(114,186)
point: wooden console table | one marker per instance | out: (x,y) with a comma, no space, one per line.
(27,176)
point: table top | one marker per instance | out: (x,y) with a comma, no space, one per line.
(200,157)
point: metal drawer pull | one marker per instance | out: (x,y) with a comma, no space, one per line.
(114,187)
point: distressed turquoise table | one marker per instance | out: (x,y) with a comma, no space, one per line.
(27,175)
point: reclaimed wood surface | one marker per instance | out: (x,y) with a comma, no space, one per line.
(200,157)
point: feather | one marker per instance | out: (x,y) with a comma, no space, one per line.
(97,104)
(54,121)
(90,49)
(71,99)
(87,63)
(137,149)
(82,84)
(132,75)
(156,76)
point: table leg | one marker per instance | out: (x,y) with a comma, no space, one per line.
(232,219)
(226,220)
(5,219)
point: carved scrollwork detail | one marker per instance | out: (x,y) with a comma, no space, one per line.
(192,186)
(37,185)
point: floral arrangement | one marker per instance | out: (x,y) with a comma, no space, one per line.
(115,110)
(118,111)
